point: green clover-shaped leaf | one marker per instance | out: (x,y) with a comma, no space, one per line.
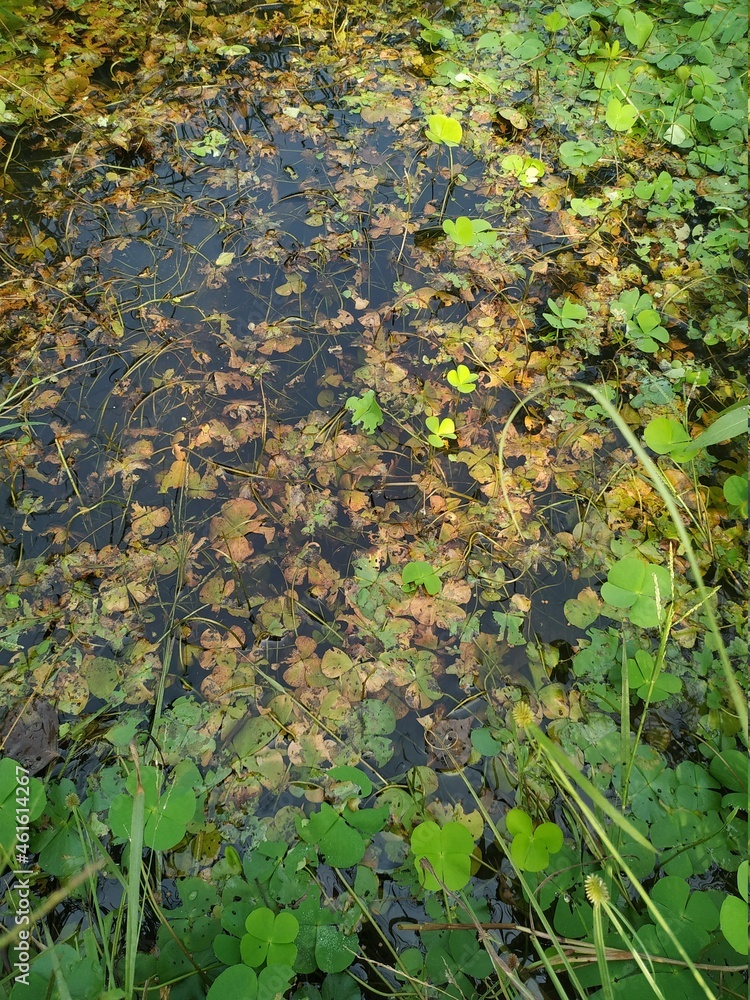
(462,379)
(443,129)
(239,981)
(637,26)
(530,848)
(441,431)
(168,812)
(735,494)
(666,436)
(340,845)
(269,938)
(620,117)
(35,799)
(448,849)
(633,584)
(420,574)
(643,676)
(526,169)
(733,914)
(466,232)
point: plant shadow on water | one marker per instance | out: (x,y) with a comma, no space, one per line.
(315,497)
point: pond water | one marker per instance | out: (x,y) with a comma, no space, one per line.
(203,540)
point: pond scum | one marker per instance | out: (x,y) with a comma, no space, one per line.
(372,573)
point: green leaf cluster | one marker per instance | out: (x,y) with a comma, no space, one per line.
(365,411)
(640,588)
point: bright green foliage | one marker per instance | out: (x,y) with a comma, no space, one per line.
(690,915)
(322,944)
(735,494)
(620,116)
(467,232)
(670,220)
(729,424)
(241,981)
(420,574)
(441,431)
(340,845)
(212,143)
(637,26)
(10,783)
(585,207)
(448,849)
(437,35)
(462,379)
(453,956)
(483,741)
(639,587)
(648,680)
(168,811)
(526,169)
(666,436)
(531,848)
(567,316)
(443,129)
(647,329)
(733,914)
(642,321)
(365,411)
(59,846)
(269,938)
(461,76)
(76,966)
(659,190)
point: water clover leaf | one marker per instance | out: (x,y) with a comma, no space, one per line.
(620,116)
(581,153)
(636,25)
(269,938)
(530,848)
(420,574)
(365,411)
(10,771)
(666,436)
(733,914)
(647,330)
(644,676)
(467,232)
(462,379)
(59,846)
(567,316)
(321,944)
(340,845)
(526,169)
(633,584)
(212,142)
(448,849)
(168,812)
(441,431)
(443,129)
(241,982)
(483,741)
(690,915)
(735,494)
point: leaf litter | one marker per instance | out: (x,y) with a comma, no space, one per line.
(269,312)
